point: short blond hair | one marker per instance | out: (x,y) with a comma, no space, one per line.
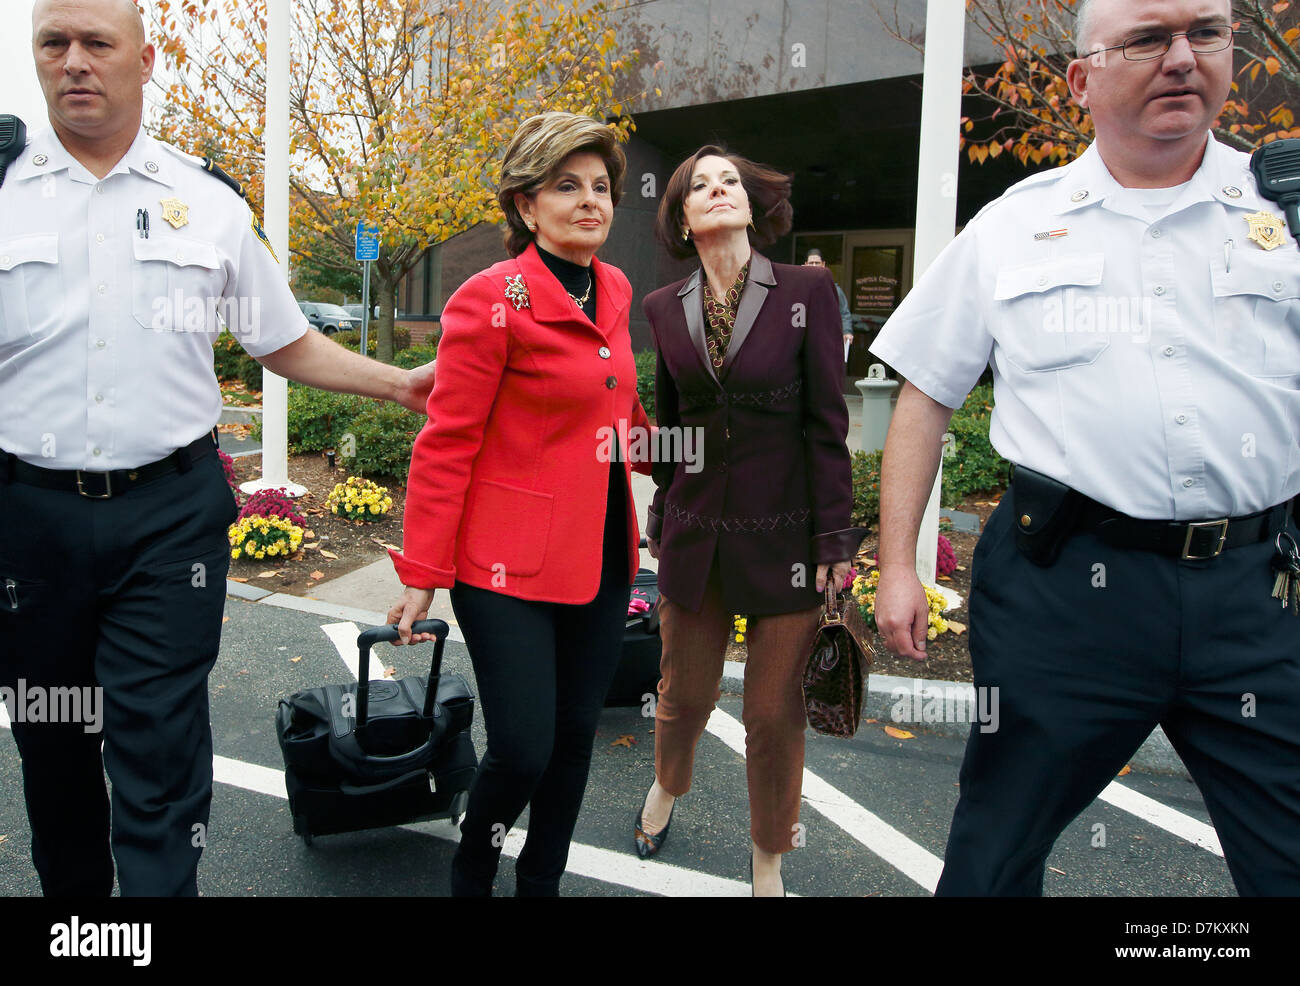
(537,150)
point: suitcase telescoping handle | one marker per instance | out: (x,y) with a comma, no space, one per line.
(379,635)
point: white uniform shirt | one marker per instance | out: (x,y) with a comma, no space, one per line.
(105,335)
(1147,355)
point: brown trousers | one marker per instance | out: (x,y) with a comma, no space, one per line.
(694,648)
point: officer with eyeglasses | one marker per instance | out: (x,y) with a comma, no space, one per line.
(1140,308)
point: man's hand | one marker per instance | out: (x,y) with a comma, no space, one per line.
(902,612)
(838,572)
(412,607)
(414,393)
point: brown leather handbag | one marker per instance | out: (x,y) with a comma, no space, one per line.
(835,678)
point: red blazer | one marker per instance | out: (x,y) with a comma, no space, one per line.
(508,486)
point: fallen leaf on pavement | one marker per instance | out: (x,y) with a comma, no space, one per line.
(317,575)
(245,671)
(945,578)
(961,568)
(389,672)
(870,720)
(267,575)
(629,741)
(309,535)
(955,627)
(898,733)
(1055,870)
(225,619)
(328,554)
(236,579)
(295,660)
(1127,770)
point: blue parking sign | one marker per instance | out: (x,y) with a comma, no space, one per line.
(367,242)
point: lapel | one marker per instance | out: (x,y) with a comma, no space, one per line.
(761,277)
(549,301)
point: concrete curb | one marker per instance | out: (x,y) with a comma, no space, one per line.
(945,708)
(232,414)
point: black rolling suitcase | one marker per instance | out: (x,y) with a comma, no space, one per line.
(638,670)
(369,754)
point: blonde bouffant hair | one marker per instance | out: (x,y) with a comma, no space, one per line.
(537,150)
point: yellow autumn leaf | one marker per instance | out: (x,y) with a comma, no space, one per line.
(1127,770)
(897,733)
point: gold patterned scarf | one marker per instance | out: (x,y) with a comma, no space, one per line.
(720,317)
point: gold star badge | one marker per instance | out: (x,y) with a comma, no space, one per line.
(175,212)
(1266,229)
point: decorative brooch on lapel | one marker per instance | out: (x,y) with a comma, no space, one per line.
(517,291)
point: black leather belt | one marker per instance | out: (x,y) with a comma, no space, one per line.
(104,485)
(1190,541)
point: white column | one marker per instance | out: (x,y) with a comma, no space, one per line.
(936,187)
(275,392)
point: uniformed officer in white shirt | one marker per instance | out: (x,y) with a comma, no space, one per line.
(119,259)
(1141,312)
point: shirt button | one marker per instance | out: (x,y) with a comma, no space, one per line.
(1169,350)
(100,344)
(1157,233)
(611,382)
(5,260)
(96,451)
(1181,419)
(1160,289)
(99,398)
(1189,482)
(99,237)
(99,189)
(1277,286)
(102,289)
(1042,278)
(604,352)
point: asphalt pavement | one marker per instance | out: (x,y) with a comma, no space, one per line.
(876,809)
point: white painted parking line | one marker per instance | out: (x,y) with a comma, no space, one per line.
(315,606)
(1190,829)
(344,638)
(607,866)
(912,860)
(4,716)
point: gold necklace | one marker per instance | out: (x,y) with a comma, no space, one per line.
(591,283)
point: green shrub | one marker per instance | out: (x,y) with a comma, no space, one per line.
(317,418)
(231,362)
(645,380)
(409,359)
(866,489)
(382,436)
(973,466)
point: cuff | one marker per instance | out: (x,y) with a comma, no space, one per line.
(420,576)
(654,525)
(837,546)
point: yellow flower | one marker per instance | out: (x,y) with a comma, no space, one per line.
(740,639)
(235,553)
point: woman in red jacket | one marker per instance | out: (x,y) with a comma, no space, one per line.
(518,501)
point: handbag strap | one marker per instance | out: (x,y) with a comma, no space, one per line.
(831,612)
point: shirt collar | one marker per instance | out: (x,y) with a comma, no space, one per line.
(46,155)
(1221,177)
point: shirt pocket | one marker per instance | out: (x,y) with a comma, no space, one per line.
(1050,315)
(1257,312)
(176,284)
(508,527)
(31,288)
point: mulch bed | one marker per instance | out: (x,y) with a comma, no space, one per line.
(352,544)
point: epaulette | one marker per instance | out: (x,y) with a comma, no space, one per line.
(1034,180)
(214,169)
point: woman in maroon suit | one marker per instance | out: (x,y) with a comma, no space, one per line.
(749,352)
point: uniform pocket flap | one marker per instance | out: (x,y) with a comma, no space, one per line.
(37,249)
(178,251)
(1254,274)
(1083,270)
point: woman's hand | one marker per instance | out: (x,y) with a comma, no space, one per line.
(838,572)
(413,606)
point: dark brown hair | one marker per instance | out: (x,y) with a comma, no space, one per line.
(537,150)
(768,191)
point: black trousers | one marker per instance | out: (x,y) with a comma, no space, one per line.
(1089,656)
(543,670)
(125,595)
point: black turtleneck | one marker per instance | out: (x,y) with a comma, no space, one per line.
(574,278)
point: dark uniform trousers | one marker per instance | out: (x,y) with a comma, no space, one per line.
(125,594)
(1089,656)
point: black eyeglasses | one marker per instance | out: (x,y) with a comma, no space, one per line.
(1153,44)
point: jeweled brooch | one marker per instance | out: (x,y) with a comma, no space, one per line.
(517,291)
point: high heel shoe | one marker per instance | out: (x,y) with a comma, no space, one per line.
(648,845)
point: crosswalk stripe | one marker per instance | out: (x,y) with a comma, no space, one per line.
(1190,829)
(913,861)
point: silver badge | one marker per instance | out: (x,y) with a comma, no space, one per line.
(1079,196)
(1232,191)
(39,160)
(150,167)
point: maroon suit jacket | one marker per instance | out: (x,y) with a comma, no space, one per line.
(773,498)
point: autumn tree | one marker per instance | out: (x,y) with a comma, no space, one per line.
(1033,117)
(400,109)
